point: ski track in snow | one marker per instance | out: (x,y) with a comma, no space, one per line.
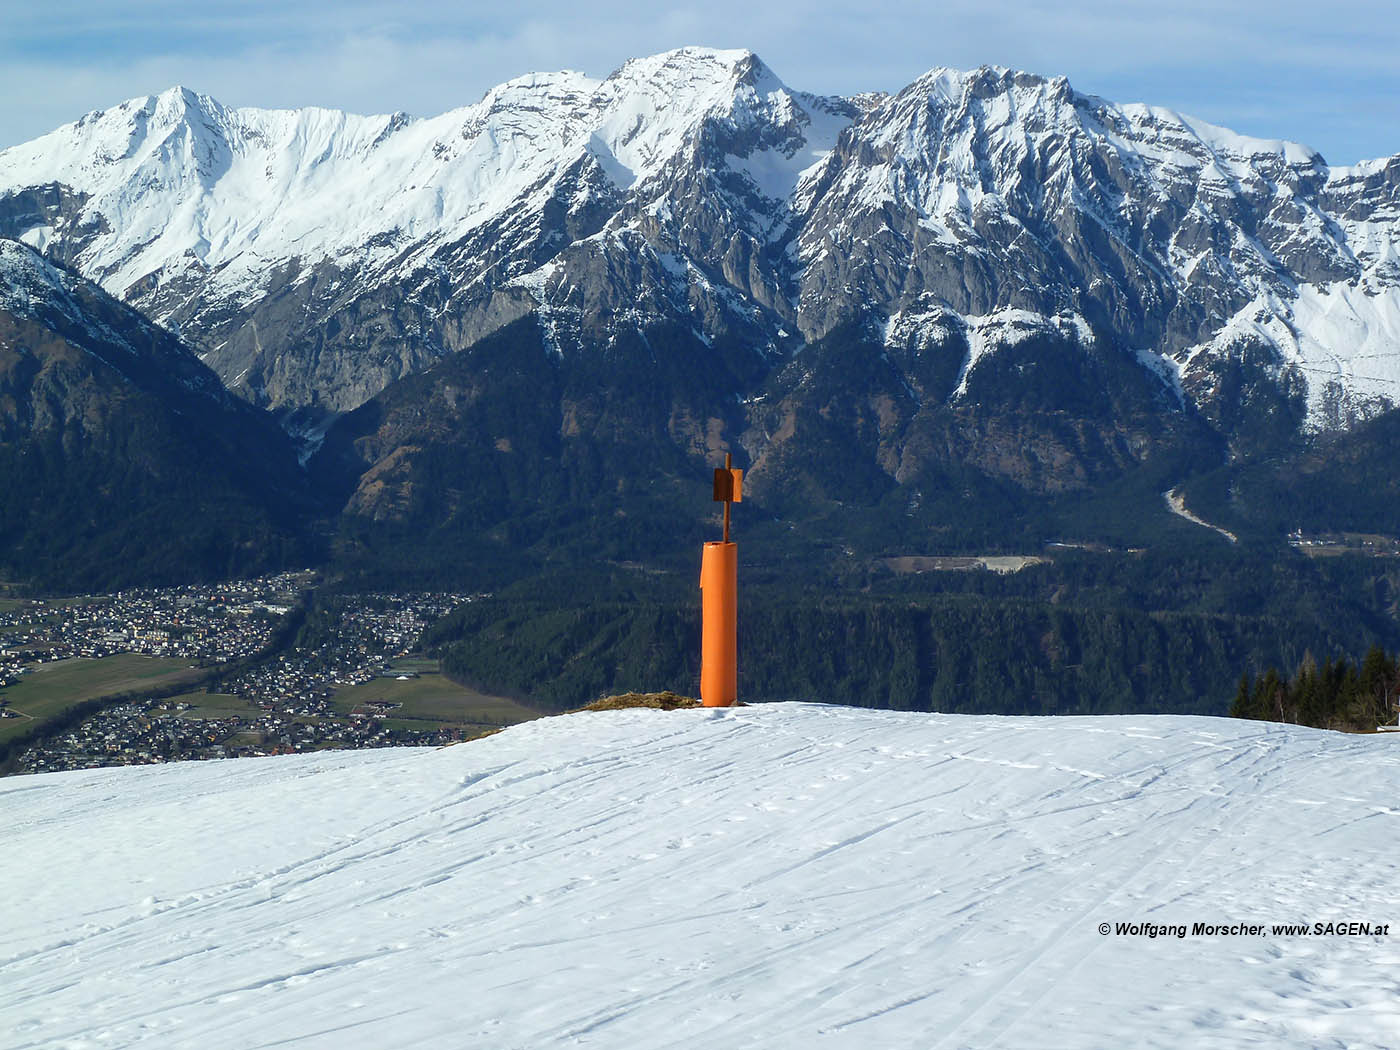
(783,875)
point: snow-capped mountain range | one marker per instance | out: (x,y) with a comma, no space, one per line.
(313,256)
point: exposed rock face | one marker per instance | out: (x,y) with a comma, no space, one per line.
(1022,250)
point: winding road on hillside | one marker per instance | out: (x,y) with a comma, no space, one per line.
(1176,503)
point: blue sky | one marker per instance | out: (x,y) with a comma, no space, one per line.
(1323,73)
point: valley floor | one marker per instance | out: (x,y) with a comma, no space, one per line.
(782,875)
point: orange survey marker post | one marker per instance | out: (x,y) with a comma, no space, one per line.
(719,601)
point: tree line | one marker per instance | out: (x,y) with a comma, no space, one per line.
(1337,695)
(964,653)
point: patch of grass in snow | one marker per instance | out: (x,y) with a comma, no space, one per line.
(666,701)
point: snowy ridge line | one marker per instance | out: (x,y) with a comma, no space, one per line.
(251,186)
(763,875)
(695,185)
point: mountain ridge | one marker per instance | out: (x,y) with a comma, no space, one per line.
(985,288)
(653,193)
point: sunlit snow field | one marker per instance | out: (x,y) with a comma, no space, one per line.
(776,876)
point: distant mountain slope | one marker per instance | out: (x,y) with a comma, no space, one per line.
(1347,483)
(314,256)
(1200,249)
(123,459)
(508,455)
(508,448)
(776,876)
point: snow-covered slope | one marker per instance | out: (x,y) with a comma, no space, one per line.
(182,180)
(786,875)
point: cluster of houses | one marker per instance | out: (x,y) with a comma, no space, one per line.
(212,623)
(287,701)
(370,631)
(1358,542)
(149,731)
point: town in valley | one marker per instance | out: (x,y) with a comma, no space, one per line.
(226,670)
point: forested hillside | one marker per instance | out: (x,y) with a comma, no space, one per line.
(1085,633)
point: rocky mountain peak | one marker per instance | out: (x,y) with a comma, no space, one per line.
(178,104)
(314,256)
(691,69)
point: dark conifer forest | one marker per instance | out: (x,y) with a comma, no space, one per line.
(1339,694)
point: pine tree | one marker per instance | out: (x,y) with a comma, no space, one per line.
(1377,674)
(1243,707)
(1337,695)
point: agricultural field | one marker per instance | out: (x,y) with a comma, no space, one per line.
(428,700)
(205,706)
(50,689)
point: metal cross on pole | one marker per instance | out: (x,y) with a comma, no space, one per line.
(729,488)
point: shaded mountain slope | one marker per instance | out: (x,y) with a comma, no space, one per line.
(123,458)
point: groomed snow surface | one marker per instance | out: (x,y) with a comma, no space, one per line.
(785,875)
